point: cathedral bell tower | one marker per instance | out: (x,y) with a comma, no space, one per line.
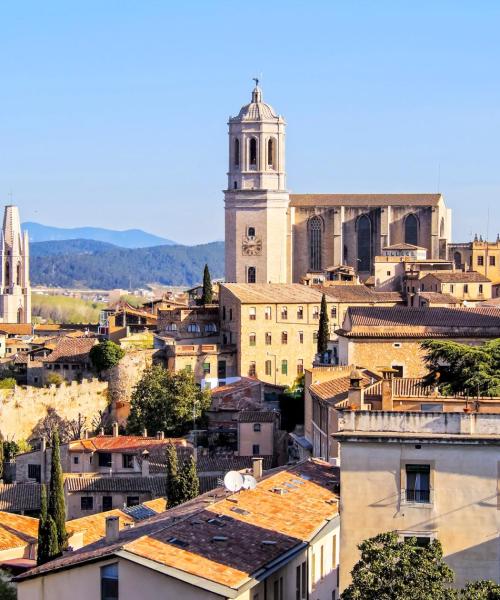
(257,214)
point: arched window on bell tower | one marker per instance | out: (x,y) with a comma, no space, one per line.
(236,152)
(253,152)
(270,153)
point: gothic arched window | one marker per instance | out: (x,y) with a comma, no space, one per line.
(253,152)
(251,275)
(18,274)
(364,228)
(315,230)
(270,152)
(20,315)
(457,259)
(236,152)
(7,273)
(411,230)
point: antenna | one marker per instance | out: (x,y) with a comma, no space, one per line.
(249,482)
(233,481)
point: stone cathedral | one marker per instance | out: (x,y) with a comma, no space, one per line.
(277,237)
(15,290)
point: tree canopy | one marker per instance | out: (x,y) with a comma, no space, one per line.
(166,401)
(459,368)
(207,293)
(106,355)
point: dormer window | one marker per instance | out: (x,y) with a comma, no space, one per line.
(253,152)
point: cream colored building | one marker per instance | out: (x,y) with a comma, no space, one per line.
(275,237)
(468,286)
(274,542)
(480,256)
(426,475)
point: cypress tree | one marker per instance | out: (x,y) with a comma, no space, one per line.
(189,484)
(56,505)
(207,294)
(323,332)
(172,476)
(42,555)
(52,539)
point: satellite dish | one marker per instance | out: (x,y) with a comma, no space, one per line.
(249,482)
(233,481)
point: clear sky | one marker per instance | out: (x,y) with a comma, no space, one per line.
(113,112)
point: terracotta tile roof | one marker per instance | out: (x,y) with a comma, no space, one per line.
(403,387)
(236,396)
(123,443)
(438,298)
(230,388)
(337,389)
(285,510)
(397,322)
(257,416)
(299,200)
(70,349)
(157,486)
(456,277)
(17,531)
(273,293)
(223,464)
(16,328)
(359,293)
(17,497)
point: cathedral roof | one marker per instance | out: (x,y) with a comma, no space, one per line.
(363,200)
(256,110)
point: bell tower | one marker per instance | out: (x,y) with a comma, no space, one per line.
(258,240)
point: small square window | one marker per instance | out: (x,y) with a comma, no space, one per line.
(128,461)
(132,500)
(76,460)
(256,427)
(255,449)
(86,503)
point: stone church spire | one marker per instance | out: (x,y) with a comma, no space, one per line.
(15,289)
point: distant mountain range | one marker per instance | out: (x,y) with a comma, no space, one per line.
(101,265)
(130,238)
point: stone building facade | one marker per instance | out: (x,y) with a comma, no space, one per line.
(276,237)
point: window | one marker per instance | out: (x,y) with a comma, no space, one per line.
(76,460)
(251,339)
(235,185)
(315,227)
(300,312)
(457,259)
(252,313)
(251,275)
(127,461)
(304,579)
(284,337)
(418,483)
(251,232)
(270,152)
(223,313)
(255,449)
(480,288)
(480,261)
(132,500)
(301,337)
(284,313)
(300,581)
(268,339)
(267,313)
(206,368)
(109,582)
(492,261)
(411,230)
(221,369)
(452,288)
(284,367)
(268,367)
(107,502)
(86,503)
(210,328)
(333,312)
(236,152)
(193,328)
(104,459)
(35,472)
(253,152)
(399,370)
(466,288)
(257,427)
(278,589)
(364,227)
(315,312)
(300,366)
(252,370)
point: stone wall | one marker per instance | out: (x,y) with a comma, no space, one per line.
(23,407)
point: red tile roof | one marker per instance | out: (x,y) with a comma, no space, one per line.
(456,277)
(69,349)
(17,531)
(122,443)
(338,388)
(438,298)
(359,293)
(299,200)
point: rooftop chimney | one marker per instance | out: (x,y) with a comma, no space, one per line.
(387,376)
(43,444)
(160,435)
(116,432)
(355,394)
(257,467)
(101,431)
(144,432)
(112,529)
(145,464)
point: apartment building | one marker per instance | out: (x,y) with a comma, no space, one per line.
(274,542)
(469,286)
(426,475)
(478,255)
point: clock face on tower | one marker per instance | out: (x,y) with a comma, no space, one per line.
(251,246)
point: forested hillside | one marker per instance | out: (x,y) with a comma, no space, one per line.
(87,263)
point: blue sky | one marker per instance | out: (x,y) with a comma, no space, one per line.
(113,113)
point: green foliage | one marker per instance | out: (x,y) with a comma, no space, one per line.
(56,504)
(109,268)
(42,548)
(207,294)
(390,569)
(64,309)
(133,300)
(7,590)
(164,401)
(324,329)
(480,590)
(173,492)
(459,368)
(188,482)
(54,379)
(106,355)
(11,449)
(8,383)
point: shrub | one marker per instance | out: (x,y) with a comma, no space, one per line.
(54,379)
(8,383)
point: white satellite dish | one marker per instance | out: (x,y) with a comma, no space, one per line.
(233,481)
(249,482)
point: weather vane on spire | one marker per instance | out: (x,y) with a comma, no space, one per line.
(256,79)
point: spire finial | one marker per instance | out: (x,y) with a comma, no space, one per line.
(256,94)
(256,79)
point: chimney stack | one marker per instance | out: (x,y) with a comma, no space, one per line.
(116,432)
(144,432)
(355,395)
(257,467)
(160,435)
(43,444)
(101,431)
(112,529)
(145,464)
(387,376)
